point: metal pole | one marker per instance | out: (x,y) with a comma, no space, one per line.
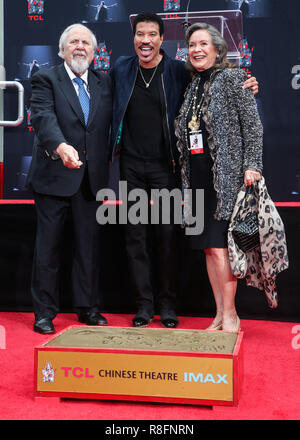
(20,118)
(3,71)
(2,78)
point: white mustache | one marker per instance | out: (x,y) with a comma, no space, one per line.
(79,52)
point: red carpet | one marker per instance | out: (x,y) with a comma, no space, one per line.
(271,388)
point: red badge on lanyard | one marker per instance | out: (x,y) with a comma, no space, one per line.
(196,142)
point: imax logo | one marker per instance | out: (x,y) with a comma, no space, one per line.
(201,378)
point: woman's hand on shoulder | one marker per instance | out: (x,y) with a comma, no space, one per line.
(251,83)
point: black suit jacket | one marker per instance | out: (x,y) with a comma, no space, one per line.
(57,117)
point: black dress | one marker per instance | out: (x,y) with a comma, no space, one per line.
(215,231)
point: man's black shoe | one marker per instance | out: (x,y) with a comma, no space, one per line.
(44,326)
(168,318)
(170,323)
(141,322)
(92,318)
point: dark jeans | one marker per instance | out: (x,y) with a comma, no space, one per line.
(151,248)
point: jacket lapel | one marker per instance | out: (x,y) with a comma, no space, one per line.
(95,94)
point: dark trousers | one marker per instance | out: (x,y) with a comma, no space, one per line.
(52,213)
(142,239)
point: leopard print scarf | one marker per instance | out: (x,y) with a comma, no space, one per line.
(260,266)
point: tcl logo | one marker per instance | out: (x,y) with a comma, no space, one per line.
(35,18)
(35,10)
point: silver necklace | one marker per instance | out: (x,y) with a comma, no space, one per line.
(147,84)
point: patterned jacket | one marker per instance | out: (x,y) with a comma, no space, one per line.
(235,134)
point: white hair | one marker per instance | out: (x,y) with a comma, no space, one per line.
(64,35)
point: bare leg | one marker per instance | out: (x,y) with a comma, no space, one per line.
(224,286)
(214,281)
